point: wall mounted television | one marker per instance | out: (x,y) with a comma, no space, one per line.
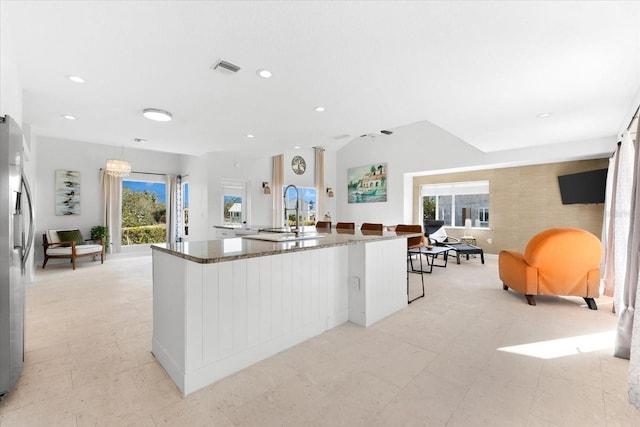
(583,187)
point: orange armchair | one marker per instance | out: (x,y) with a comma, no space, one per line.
(558,261)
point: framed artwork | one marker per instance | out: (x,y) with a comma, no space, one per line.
(367,184)
(67,192)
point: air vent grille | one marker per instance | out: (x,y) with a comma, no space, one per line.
(227,66)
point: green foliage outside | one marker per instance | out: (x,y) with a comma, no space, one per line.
(301,220)
(144,234)
(429,207)
(143,218)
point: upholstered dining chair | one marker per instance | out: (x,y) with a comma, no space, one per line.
(414,246)
(368,226)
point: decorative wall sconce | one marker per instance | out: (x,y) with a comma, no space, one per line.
(265,187)
(329,192)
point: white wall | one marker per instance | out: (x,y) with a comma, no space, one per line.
(330,164)
(254,170)
(410,148)
(86,158)
(244,167)
(425,148)
(10,86)
(204,175)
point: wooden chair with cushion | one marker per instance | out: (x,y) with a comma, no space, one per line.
(71,245)
(558,261)
(414,244)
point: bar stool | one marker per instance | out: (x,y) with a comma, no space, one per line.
(323,224)
(368,226)
(346,226)
(413,243)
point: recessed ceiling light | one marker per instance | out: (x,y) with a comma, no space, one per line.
(265,74)
(76,79)
(543,115)
(157,115)
(297,147)
(69,117)
(319,109)
(249,135)
(141,140)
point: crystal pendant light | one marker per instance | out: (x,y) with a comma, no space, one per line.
(118,168)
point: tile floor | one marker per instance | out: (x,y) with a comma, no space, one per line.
(440,362)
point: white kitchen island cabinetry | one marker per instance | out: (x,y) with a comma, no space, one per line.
(222,305)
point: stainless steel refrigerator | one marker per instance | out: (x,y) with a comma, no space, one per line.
(16,240)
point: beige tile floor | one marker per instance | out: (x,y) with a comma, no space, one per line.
(437,363)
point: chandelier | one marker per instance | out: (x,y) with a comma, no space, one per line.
(118,168)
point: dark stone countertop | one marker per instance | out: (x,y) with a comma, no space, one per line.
(212,251)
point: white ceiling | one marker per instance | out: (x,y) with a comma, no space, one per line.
(480,70)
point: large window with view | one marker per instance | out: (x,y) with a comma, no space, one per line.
(307,204)
(144,212)
(455,202)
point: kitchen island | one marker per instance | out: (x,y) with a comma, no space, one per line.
(222,305)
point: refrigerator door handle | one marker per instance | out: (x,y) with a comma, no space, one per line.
(29,243)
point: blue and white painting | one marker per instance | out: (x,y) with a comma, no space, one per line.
(367,184)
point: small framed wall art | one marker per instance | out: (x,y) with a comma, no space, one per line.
(67,192)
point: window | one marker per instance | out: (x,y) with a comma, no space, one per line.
(483,217)
(307,203)
(457,201)
(234,203)
(144,213)
(185,207)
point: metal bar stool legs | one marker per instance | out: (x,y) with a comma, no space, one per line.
(411,270)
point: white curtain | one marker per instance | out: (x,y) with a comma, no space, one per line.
(111,188)
(174,209)
(320,189)
(278,184)
(628,332)
(621,216)
(608,227)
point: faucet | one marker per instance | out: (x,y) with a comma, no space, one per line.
(286,191)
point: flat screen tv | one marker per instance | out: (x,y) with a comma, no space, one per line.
(584,187)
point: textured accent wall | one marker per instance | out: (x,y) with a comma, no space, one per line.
(523,201)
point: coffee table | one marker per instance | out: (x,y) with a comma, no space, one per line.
(433,254)
(466,250)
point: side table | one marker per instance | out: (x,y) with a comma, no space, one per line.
(430,253)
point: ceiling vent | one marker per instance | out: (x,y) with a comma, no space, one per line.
(374,135)
(226,66)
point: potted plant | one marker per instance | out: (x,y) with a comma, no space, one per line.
(99,231)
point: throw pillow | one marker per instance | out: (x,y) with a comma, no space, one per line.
(71,235)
